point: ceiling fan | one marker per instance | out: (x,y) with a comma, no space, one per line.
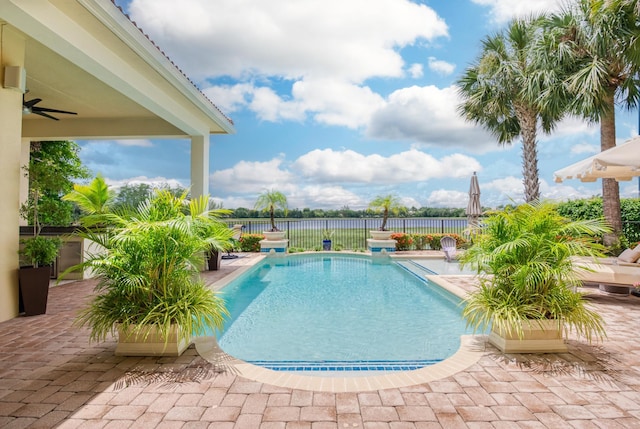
(29,107)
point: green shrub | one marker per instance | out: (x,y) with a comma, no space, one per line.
(250,242)
(420,241)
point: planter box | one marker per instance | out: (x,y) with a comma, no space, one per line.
(34,289)
(381,235)
(153,344)
(543,336)
(274,235)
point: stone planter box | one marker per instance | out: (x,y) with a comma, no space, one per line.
(274,235)
(151,344)
(540,336)
(380,235)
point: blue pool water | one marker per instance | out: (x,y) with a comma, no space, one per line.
(339,313)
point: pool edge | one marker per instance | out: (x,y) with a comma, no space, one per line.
(472,348)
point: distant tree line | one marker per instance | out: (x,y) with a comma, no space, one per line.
(346,212)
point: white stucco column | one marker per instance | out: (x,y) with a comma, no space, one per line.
(199,166)
(13,46)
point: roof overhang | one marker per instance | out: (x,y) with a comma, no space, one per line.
(86,56)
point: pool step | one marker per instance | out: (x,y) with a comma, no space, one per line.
(415,269)
(396,365)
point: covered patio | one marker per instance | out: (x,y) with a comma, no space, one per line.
(86,57)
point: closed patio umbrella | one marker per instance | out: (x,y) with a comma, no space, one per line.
(621,163)
(474,209)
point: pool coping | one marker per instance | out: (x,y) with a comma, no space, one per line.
(472,348)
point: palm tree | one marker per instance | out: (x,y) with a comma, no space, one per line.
(501,92)
(386,204)
(271,200)
(93,199)
(597,45)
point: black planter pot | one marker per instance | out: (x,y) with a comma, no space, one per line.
(213,260)
(34,289)
(326,244)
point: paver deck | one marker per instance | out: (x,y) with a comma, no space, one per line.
(51,376)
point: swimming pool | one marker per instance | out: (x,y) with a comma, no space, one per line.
(316,312)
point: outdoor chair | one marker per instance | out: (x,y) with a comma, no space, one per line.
(448,245)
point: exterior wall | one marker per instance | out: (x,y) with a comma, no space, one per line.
(10,155)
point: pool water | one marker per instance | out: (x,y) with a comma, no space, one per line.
(339,313)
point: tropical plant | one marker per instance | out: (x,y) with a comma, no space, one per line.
(52,167)
(270,201)
(501,91)
(385,204)
(94,199)
(327,234)
(148,273)
(596,44)
(525,260)
(40,251)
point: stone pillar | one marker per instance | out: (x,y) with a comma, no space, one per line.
(13,51)
(199,166)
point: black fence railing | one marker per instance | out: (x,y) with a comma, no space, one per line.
(349,233)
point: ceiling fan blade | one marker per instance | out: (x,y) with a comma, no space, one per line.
(46,109)
(41,113)
(31,103)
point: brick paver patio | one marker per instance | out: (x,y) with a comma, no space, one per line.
(51,376)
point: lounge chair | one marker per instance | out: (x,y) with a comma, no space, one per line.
(611,274)
(448,245)
(237,233)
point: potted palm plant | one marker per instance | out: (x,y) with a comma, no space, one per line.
(149,288)
(270,201)
(386,204)
(528,279)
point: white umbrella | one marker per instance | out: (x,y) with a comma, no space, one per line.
(474,209)
(621,163)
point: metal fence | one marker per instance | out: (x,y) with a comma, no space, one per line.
(349,233)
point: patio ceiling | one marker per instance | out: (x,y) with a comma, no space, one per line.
(87,57)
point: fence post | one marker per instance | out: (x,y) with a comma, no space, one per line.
(365,234)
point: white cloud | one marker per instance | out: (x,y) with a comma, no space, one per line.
(428,115)
(409,166)
(329,102)
(154,182)
(502,191)
(505,10)
(585,148)
(416,71)
(447,198)
(230,98)
(325,197)
(229,37)
(441,67)
(251,177)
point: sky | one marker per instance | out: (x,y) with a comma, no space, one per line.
(338,101)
